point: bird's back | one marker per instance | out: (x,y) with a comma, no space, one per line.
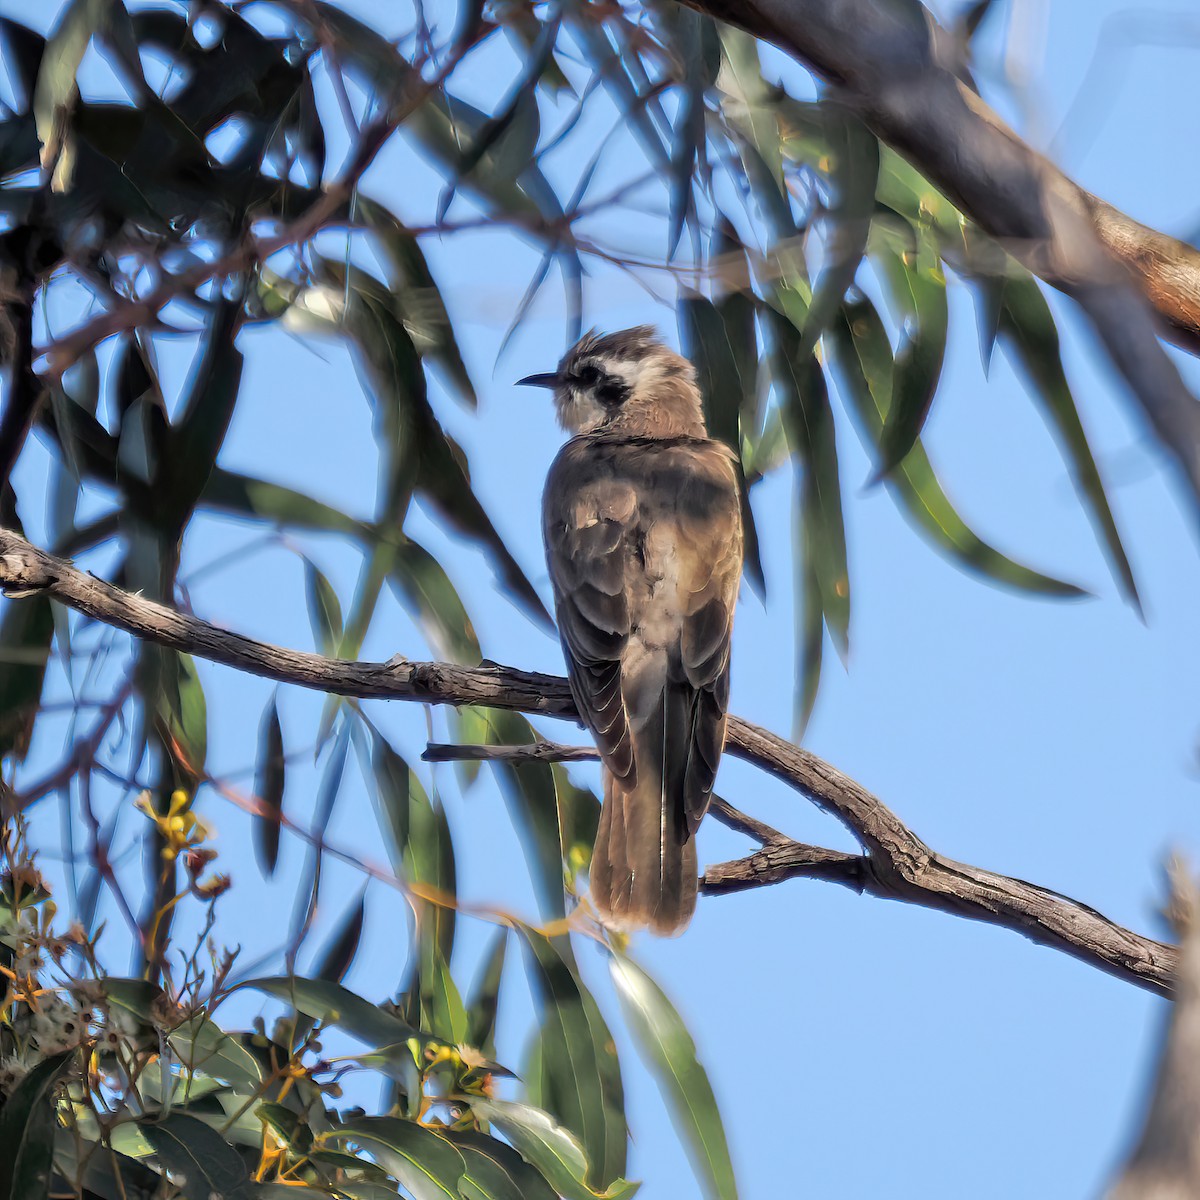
(644,545)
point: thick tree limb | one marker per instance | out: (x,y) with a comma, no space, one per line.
(895,864)
(899,69)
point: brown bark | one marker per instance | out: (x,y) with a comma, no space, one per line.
(895,863)
(895,66)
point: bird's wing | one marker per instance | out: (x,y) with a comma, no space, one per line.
(644,546)
(589,515)
(693,542)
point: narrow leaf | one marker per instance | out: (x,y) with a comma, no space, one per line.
(27,1125)
(555,1151)
(427,1166)
(269,779)
(670,1054)
(860,349)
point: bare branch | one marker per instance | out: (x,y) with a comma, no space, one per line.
(896,863)
(896,66)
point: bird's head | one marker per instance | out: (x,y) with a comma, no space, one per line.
(626,382)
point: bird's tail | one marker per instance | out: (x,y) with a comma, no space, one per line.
(643,872)
(644,868)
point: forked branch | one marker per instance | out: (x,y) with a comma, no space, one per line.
(895,863)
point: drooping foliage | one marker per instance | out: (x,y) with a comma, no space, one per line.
(223,184)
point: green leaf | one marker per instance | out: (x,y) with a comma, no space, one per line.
(27,1125)
(201,1162)
(528,791)
(581,1075)
(918,290)
(420,846)
(269,777)
(855,173)
(343,946)
(808,417)
(485,997)
(545,1144)
(200,429)
(324,609)
(244,496)
(495,1171)
(26,632)
(425,590)
(708,340)
(427,1166)
(1030,336)
(862,354)
(670,1054)
(417,294)
(201,1046)
(184,711)
(333,1004)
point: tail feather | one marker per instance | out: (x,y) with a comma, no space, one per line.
(644,866)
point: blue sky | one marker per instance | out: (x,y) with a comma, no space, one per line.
(857,1047)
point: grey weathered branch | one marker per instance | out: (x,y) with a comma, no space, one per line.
(899,69)
(895,863)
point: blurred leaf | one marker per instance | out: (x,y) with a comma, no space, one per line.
(588,31)
(578,820)
(748,104)
(427,1166)
(555,1151)
(184,711)
(200,430)
(811,628)
(423,455)
(241,495)
(56,91)
(343,946)
(200,1160)
(581,1076)
(269,779)
(333,1004)
(1027,325)
(854,174)
(708,341)
(670,1054)
(918,290)
(420,847)
(26,632)
(27,1125)
(495,1171)
(809,420)
(485,997)
(308,889)
(413,284)
(528,790)
(324,609)
(695,38)
(425,590)
(860,349)
(442,1011)
(24,57)
(200,1045)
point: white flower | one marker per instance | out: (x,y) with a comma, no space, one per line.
(12,1070)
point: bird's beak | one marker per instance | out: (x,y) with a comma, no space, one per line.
(550,380)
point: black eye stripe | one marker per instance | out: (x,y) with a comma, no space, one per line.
(612,391)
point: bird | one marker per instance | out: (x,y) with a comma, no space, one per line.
(641,517)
